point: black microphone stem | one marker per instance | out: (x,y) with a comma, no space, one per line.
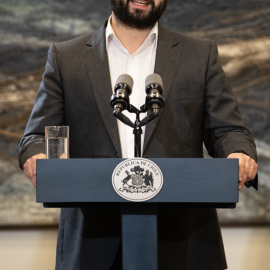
(137,131)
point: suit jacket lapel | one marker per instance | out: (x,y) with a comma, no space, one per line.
(96,62)
(167,61)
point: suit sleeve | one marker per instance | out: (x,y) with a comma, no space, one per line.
(224,130)
(48,110)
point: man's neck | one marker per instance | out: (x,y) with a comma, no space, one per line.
(131,38)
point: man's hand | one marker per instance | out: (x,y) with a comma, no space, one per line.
(29,167)
(247,168)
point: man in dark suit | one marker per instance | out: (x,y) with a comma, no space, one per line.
(200,107)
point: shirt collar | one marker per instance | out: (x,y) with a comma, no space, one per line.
(152,37)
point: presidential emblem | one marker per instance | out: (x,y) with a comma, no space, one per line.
(137,179)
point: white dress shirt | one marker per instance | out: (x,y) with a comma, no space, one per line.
(138,65)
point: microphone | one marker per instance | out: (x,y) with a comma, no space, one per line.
(154,89)
(122,91)
(154,100)
(120,99)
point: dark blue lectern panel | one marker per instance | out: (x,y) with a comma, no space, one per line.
(139,237)
(185,181)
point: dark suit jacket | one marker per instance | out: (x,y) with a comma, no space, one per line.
(200,107)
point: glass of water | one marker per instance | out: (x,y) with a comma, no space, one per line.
(57,142)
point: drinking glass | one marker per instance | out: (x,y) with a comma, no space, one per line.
(57,142)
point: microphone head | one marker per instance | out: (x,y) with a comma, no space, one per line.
(122,91)
(154,79)
(125,79)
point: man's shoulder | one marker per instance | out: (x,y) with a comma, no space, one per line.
(76,42)
(188,40)
(82,41)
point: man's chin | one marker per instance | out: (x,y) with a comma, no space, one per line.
(137,15)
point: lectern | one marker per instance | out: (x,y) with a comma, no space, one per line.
(186,183)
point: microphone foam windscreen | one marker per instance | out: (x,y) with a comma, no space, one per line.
(154,79)
(125,79)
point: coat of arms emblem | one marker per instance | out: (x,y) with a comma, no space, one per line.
(137,179)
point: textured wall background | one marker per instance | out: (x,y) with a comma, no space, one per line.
(28,27)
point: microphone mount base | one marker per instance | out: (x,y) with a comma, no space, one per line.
(137,130)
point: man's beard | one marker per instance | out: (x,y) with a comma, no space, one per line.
(138,19)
